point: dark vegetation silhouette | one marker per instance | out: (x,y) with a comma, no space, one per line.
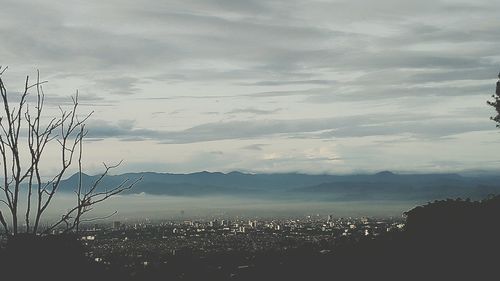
(49,257)
(496,103)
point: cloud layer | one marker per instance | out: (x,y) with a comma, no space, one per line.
(264,82)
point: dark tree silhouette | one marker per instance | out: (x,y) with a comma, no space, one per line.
(496,103)
(24,134)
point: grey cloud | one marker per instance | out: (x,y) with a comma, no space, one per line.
(431,129)
(250,110)
(215,38)
(352,126)
(245,130)
(201,97)
(339,127)
(293,82)
(302,159)
(55,100)
(123,129)
(284,93)
(425,33)
(255,147)
(211,113)
(160,113)
(134,139)
(124,85)
(235,32)
(455,75)
(378,92)
(394,59)
(43,37)
(378,88)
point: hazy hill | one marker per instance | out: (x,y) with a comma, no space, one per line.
(381,186)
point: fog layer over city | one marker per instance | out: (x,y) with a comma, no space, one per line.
(145,206)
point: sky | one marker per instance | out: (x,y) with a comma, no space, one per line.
(267,86)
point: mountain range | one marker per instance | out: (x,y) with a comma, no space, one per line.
(380,186)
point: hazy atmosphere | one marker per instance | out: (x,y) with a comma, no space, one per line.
(243,140)
(141,207)
(267,86)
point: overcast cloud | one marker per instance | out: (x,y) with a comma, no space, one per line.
(312,86)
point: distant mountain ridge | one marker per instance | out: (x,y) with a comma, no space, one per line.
(384,185)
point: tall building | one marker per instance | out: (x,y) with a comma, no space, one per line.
(252,224)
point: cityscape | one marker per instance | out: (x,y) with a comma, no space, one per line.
(148,244)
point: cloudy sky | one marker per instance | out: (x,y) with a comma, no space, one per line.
(312,86)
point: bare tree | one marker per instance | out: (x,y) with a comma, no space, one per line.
(23,130)
(496,103)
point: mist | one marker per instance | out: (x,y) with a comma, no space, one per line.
(158,207)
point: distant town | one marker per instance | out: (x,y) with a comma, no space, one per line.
(152,243)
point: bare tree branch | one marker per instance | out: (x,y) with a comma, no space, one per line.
(4,224)
(100,218)
(19,121)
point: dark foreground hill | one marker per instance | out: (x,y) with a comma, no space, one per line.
(380,186)
(443,240)
(55,257)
